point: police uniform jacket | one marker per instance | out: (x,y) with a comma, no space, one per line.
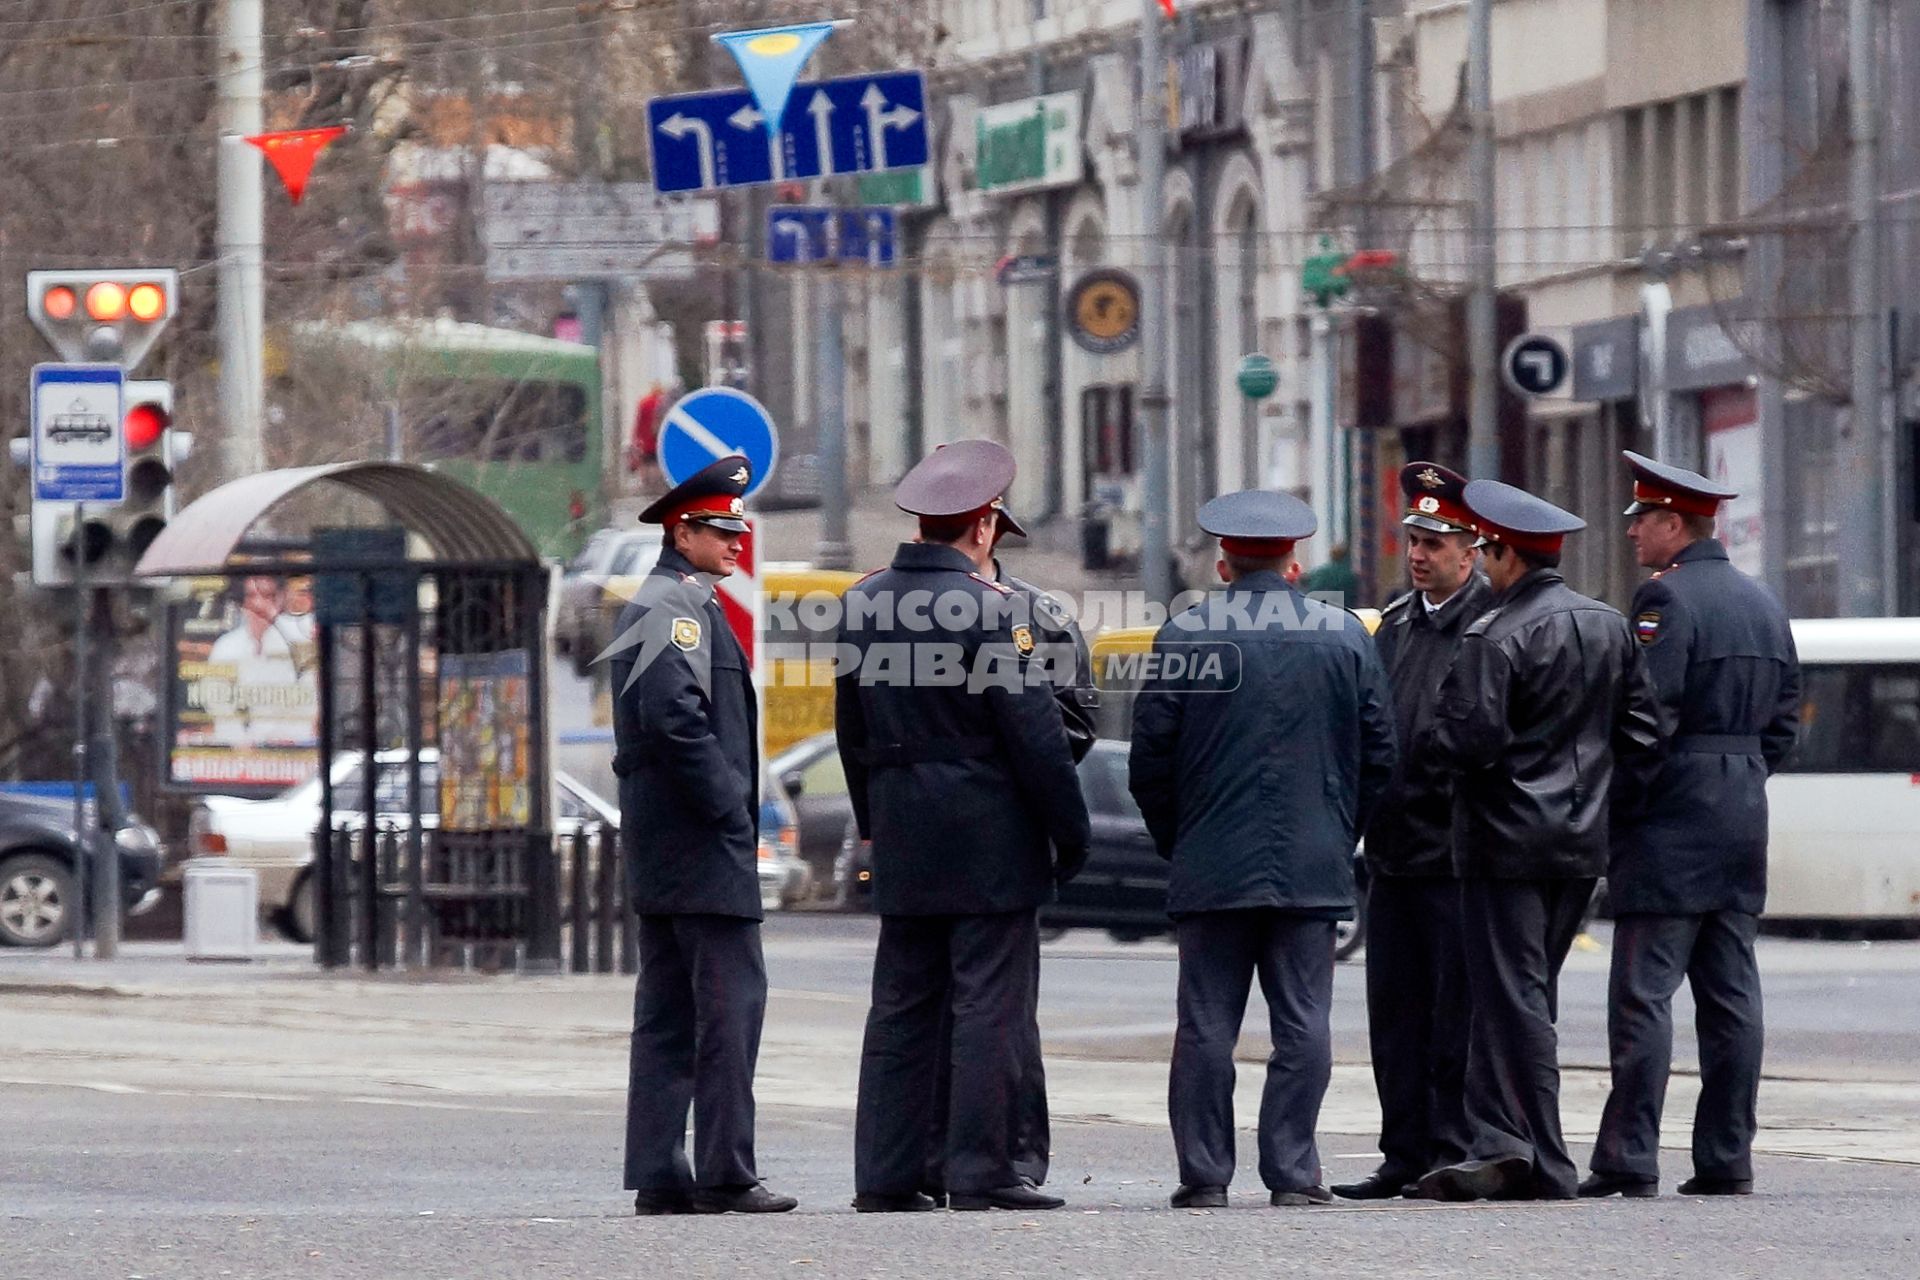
(1412,835)
(687,757)
(1258,788)
(1721,655)
(962,785)
(1071,667)
(1546,700)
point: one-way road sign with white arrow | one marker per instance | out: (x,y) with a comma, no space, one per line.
(854,124)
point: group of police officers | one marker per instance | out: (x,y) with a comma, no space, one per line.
(1501,742)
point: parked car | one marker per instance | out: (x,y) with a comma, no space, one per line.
(275,836)
(38,893)
(809,772)
(596,586)
(1122,889)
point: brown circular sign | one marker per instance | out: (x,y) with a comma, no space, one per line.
(1103,311)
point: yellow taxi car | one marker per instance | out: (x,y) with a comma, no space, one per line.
(801,607)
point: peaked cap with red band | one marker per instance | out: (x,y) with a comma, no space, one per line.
(1515,518)
(1258,523)
(1433,498)
(1660,487)
(712,496)
(965,478)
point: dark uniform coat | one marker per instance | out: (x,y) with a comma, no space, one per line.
(961,788)
(1061,645)
(685,732)
(1546,702)
(1259,795)
(1412,835)
(1721,655)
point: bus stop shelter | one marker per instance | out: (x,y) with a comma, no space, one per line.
(426,639)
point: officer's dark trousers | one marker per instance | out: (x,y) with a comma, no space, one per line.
(697,1013)
(1417,1022)
(1032,1132)
(1220,952)
(984,965)
(1517,934)
(1651,954)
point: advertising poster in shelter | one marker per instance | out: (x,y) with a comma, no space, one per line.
(244,686)
(485,731)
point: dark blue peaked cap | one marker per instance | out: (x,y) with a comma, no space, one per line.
(1259,514)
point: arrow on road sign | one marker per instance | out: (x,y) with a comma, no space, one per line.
(821,109)
(678,126)
(879,120)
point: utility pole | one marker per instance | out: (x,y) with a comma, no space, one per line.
(239,239)
(1865,578)
(1483,422)
(830,408)
(1156,552)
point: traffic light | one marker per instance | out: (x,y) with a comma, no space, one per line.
(147,428)
(112,317)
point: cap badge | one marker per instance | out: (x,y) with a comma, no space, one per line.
(739,475)
(686,634)
(735,506)
(1428,504)
(1430,478)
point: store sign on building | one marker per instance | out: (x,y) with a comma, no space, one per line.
(1702,353)
(1029,145)
(1606,359)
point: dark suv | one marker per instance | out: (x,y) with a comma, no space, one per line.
(38,897)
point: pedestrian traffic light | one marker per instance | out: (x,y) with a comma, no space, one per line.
(113,317)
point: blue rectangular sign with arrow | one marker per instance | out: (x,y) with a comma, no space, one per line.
(805,234)
(853,124)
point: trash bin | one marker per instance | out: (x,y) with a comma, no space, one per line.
(221,906)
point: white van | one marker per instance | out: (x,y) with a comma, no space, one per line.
(1845,810)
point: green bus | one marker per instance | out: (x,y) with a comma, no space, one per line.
(515,415)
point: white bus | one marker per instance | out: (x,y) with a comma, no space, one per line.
(1845,810)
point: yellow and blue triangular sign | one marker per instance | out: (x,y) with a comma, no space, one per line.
(771,59)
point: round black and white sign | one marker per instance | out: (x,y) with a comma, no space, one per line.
(1535,365)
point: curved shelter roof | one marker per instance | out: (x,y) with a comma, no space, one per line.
(461,525)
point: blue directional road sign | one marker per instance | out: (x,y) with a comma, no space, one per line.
(798,233)
(853,124)
(79,452)
(711,423)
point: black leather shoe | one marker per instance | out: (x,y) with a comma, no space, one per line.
(753,1199)
(1479,1180)
(1198,1197)
(1599,1184)
(1378,1185)
(936,1194)
(1699,1185)
(650,1204)
(1013,1197)
(885,1202)
(1304,1196)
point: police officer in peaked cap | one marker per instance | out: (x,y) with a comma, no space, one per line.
(687,755)
(1688,877)
(1417,1006)
(961,774)
(1256,767)
(1545,708)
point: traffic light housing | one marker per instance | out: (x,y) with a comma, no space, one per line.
(110,317)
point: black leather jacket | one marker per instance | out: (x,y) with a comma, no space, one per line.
(1412,834)
(1546,708)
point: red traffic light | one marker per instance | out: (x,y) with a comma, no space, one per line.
(107,300)
(144,425)
(59,302)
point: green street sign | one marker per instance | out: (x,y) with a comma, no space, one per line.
(1258,376)
(908,188)
(1029,145)
(1319,274)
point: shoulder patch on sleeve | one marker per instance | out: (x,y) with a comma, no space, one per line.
(1646,626)
(686,634)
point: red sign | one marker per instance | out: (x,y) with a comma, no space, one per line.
(292,152)
(739,596)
